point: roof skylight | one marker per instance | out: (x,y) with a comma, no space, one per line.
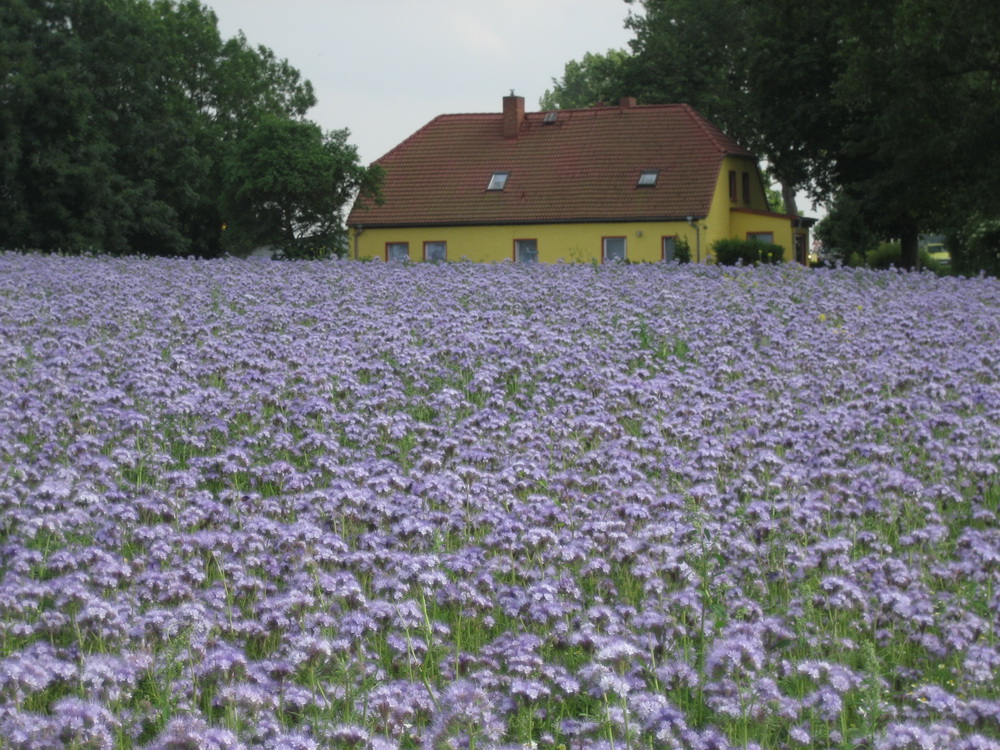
(498,180)
(648,178)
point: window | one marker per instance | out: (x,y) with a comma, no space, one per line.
(669,249)
(526,251)
(397,251)
(435,251)
(766,237)
(746,187)
(648,178)
(498,181)
(614,248)
(732,185)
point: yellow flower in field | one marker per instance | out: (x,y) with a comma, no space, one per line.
(822,318)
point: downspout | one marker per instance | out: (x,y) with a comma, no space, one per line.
(697,238)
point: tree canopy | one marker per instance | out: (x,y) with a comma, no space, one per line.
(892,103)
(123,124)
(596,78)
(281,180)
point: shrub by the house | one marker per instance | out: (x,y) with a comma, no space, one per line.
(730,252)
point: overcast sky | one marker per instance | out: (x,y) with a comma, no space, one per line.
(384,68)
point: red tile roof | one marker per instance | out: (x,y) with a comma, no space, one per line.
(584,166)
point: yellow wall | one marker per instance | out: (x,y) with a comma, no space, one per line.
(780,226)
(738,218)
(741,166)
(583,242)
(566,242)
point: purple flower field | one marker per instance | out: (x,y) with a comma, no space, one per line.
(359,505)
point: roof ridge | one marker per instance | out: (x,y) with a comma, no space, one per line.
(712,131)
(601,107)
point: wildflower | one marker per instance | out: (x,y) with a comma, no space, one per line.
(904,736)
(188,732)
(467,711)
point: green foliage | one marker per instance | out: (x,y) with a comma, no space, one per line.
(682,250)
(595,79)
(976,248)
(889,102)
(890,255)
(886,255)
(930,263)
(775,200)
(286,185)
(119,118)
(844,232)
(729,252)
(918,78)
(689,51)
(738,63)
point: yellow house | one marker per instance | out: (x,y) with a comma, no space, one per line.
(605,183)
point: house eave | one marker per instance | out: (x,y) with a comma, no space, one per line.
(797,221)
(524,222)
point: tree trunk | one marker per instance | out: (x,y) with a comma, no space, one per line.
(908,242)
(788,196)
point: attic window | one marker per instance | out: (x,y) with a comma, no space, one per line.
(498,180)
(648,177)
(550,117)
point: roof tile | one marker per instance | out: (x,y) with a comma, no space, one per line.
(584,166)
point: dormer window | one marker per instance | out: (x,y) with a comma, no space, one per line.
(648,178)
(498,180)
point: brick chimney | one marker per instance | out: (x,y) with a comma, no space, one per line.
(513,115)
(626,101)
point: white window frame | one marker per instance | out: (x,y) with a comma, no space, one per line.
(392,251)
(604,248)
(648,178)
(434,243)
(498,181)
(519,247)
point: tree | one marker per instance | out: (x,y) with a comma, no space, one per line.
(891,103)
(690,51)
(975,247)
(58,187)
(287,184)
(759,70)
(775,200)
(920,81)
(707,53)
(118,119)
(597,78)
(844,231)
(161,155)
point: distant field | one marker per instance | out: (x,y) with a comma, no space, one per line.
(354,505)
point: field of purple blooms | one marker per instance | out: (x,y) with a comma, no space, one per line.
(359,505)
